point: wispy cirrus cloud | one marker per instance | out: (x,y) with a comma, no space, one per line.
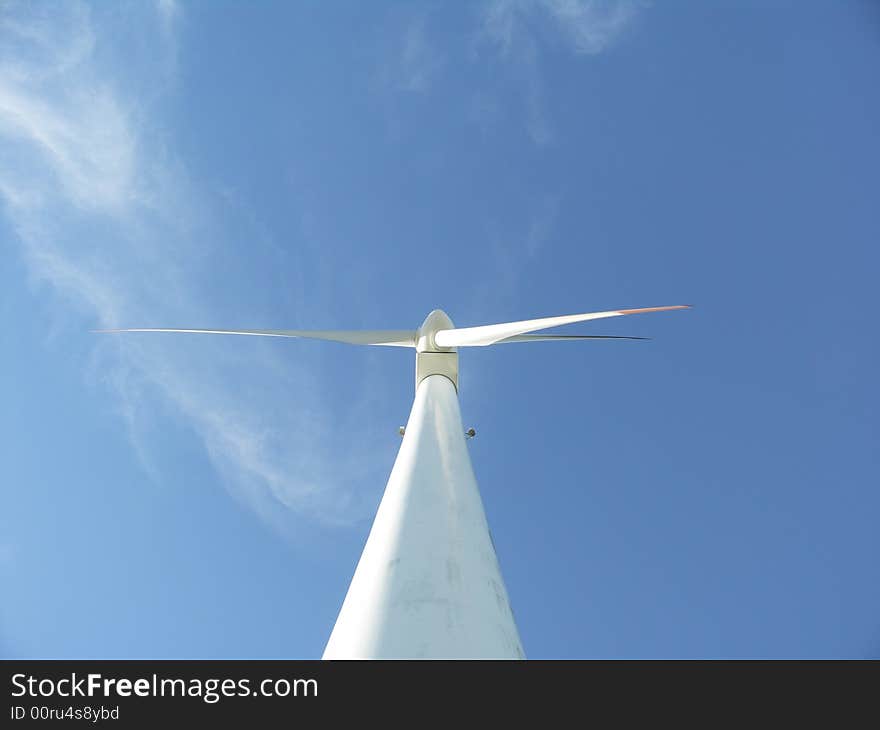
(169,12)
(587,26)
(511,255)
(110,223)
(510,29)
(590,25)
(410,58)
(420,61)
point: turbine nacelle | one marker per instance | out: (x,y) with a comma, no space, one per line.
(430,358)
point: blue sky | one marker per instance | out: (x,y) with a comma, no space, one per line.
(711,493)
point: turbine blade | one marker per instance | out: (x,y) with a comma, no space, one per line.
(491,333)
(388,338)
(551,338)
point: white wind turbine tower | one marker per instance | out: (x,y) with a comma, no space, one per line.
(428,583)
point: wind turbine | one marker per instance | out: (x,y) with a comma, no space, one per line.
(428,583)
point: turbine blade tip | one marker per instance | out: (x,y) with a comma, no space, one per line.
(644,310)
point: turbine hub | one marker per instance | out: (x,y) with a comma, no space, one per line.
(434,322)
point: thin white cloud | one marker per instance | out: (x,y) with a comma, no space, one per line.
(79,130)
(500,23)
(514,242)
(410,59)
(84,138)
(586,26)
(113,227)
(512,31)
(509,29)
(168,11)
(419,61)
(590,26)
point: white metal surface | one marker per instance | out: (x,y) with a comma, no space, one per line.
(388,338)
(491,333)
(428,584)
